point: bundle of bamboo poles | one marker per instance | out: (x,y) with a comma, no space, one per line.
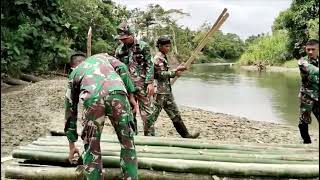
(180,156)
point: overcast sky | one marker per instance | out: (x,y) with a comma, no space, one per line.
(247,17)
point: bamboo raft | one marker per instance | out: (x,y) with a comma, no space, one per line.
(172,158)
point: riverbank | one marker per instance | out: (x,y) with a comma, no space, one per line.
(29,113)
(270,69)
(284,68)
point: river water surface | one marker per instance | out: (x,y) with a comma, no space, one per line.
(260,96)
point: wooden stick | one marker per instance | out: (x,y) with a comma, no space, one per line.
(89,41)
(205,40)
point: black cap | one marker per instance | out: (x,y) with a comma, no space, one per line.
(162,40)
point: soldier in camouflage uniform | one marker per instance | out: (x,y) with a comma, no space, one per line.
(309,91)
(136,55)
(164,97)
(102,83)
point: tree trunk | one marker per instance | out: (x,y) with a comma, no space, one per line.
(174,40)
(4,85)
(30,78)
(59,74)
(13,81)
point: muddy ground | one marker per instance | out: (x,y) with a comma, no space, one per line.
(32,111)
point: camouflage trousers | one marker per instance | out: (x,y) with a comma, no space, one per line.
(308,105)
(146,111)
(116,106)
(165,101)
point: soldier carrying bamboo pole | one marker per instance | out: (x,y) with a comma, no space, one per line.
(164,97)
(309,91)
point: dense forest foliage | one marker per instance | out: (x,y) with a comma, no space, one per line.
(290,31)
(38,35)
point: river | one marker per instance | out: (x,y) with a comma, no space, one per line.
(260,96)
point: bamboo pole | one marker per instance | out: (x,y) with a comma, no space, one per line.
(89,37)
(161,138)
(67,173)
(199,167)
(221,19)
(177,152)
(229,158)
(193,145)
(219,149)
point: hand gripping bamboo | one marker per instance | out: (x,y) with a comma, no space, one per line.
(215,27)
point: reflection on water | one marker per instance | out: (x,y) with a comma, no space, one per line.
(271,97)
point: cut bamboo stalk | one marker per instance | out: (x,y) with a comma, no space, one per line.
(308,146)
(142,138)
(199,167)
(57,173)
(193,145)
(184,152)
(105,144)
(89,37)
(228,158)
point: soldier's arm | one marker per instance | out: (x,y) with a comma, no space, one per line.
(122,54)
(150,65)
(313,73)
(71,110)
(117,52)
(123,72)
(160,72)
(309,69)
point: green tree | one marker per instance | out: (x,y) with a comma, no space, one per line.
(267,49)
(301,21)
(39,35)
(34,38)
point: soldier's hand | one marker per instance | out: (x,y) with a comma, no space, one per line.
(178,73)
(150,90)
(74,154)
(133,103)
(135,108)
(181,67)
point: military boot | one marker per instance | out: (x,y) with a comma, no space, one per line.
(182,129)
(304,132)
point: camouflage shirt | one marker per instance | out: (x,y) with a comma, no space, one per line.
(93,79)
(139,61)
(309,71)
(162,74)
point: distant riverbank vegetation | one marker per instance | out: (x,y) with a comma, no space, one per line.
(43,34)
(290,31)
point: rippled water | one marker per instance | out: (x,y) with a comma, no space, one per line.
(266,96)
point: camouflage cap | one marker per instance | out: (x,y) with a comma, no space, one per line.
(124,31)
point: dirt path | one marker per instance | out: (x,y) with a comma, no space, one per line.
(32,111)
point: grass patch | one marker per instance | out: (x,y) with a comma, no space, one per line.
(290,64)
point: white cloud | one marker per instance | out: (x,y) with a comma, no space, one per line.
(247,17)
